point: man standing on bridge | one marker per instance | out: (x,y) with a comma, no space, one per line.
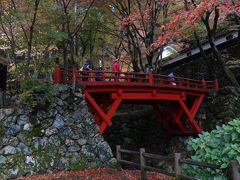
(116,69)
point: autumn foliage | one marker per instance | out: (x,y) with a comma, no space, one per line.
(99,174)
(188,19)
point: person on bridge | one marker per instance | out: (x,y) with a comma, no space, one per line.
(86,67)
(99,74)
(148,69)
(116,69)
(171,77)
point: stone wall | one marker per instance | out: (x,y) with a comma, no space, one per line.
(64,137)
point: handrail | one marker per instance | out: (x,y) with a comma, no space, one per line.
(97,77)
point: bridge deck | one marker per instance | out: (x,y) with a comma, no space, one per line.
(131,79)
(175,101)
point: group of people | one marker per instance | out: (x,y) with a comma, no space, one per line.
(87,66)
(116,70)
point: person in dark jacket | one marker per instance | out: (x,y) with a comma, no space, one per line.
(99,74)
(86,67)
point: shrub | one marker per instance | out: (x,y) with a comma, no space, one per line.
(219,147)
(36,94)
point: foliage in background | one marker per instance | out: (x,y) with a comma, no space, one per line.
(219,147)
(36,94)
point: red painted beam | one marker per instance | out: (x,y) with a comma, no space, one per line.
(152,96)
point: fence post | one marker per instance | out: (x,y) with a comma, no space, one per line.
(177,166)
(142,164)
(118,153)
(235,170)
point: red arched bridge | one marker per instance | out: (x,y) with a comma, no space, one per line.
(176,101)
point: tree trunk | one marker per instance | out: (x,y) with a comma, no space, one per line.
(226,70)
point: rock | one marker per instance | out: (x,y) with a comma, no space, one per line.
(59,102)
(69,121)
(62,149)
(30,160)
(23,148)
(64,96)
(13,130)
(69,142)
(21,111)
(88,153)
(12,173)
(52,113)
(27,127)
(77,116)
(59,110)
(64,162)
(51,131)
(8,150)
(2,160)
(12,141)
(62,88)
(9,121)
(64,132)
(58,123)
(54,140)
(74,148)
(2,114)
(79,95)
(82,141)
(45,123)
(42,115)
(9,111)
(23,118)
(104,151)
(112,161)
(39,143)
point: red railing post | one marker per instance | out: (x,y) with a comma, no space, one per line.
(216,85)
(150,78)
(204,84)
(103,75)
(57,74)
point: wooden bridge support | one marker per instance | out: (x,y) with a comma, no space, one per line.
(174,118)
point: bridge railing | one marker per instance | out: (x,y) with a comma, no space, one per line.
(96,77)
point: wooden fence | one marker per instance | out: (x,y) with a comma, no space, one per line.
(176,160)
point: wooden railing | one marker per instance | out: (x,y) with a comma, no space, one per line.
(96,77)
(176,160)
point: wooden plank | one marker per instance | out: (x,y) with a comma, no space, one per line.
(129,151)
(129,163)
(201,164)
(158,157)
